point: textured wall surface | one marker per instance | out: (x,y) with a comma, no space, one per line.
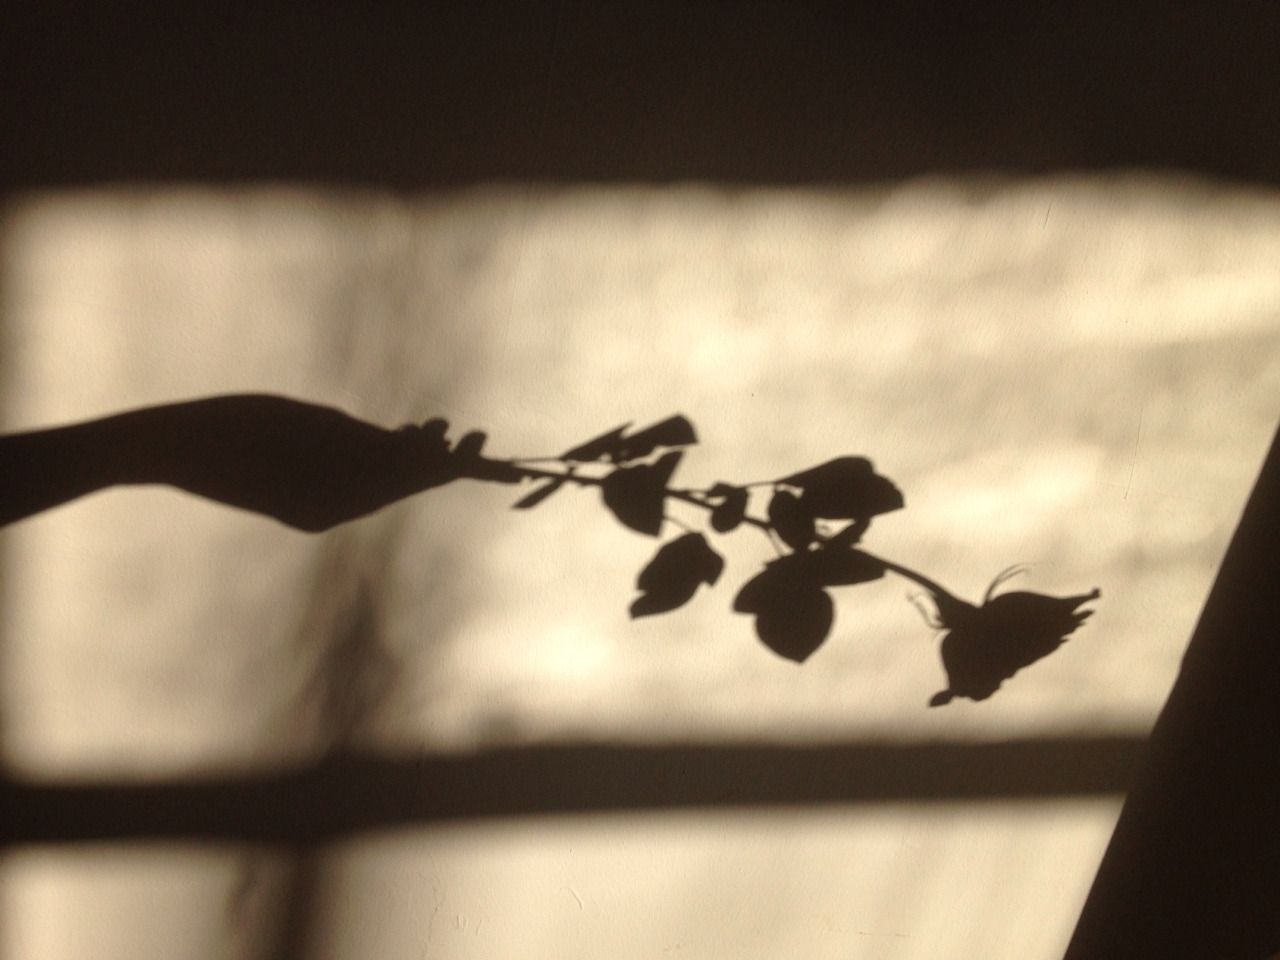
(1076,373)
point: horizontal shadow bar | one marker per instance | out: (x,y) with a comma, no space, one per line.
(359,793)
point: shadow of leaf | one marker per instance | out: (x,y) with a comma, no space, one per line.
(675,431)
(537,495)
(846,488)
(616,445)
(597,448)
(673,576)
(795,627)
(793,613)
(791,521)
(636,494)
(730,512)
(835,566)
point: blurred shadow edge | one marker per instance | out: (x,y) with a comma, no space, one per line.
(1193,867)
(357,794)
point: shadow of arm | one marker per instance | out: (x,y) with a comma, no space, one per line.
(308,466)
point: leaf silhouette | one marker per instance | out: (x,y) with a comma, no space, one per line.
(849,535)
(729,513)
(537,495)
(846,488)
(793,614)
(616,445)
(636,494)
(791,521)
(597,448)
(839,468)
(675,431)
(470,445)
(795,630)
(836,567)
(808,570)
(672,577)
(778,580)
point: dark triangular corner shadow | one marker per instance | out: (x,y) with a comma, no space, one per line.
(308,466)
(1193,867)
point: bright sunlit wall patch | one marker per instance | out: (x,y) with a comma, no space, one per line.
(1074,373)
(992,346)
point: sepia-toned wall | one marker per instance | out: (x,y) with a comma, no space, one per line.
(1078,373)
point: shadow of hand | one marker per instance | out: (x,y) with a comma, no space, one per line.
(309,466)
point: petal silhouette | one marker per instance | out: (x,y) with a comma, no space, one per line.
(991,643)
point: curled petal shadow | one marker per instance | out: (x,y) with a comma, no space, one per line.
(986,645)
